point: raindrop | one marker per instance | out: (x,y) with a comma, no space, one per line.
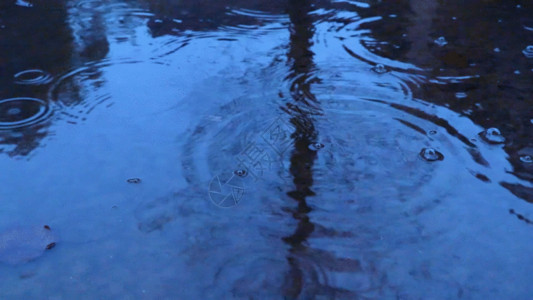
(528,52)
(33,77)
(13,111)
(316,146)
(20,112)
(430,154)
(441,41)
(460,95)
(380,69)
(526,159)
(240,173)
(492,136)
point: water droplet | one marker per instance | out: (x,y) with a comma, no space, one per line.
(460,95)
(240,173)
(134,180)
(20,112)
(316,146)
(528,52)
(433,132)
(380,69)
(441,41)
(430,154)
(14,111)
(33,77)
(492,136)
(526,159)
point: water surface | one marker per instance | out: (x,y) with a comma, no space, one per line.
(267,149)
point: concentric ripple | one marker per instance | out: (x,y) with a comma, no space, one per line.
(33,77)
(22,112)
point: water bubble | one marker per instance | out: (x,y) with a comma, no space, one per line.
(20,112)
(316,146)
(240,173)
(526,159)
(380,69)
(430,154)
(528,52)
(441,41)
(14,111)
(33,77)
(492,136)
(460,95)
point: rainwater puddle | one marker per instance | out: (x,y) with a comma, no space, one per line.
(266,149)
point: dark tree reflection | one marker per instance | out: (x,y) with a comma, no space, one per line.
(485,44)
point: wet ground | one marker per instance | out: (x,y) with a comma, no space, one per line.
(266,149)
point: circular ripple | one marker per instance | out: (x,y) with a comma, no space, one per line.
(528,51)
(33,77)
(21,112)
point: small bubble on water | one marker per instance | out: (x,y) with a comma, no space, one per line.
(240,172)
(441,41)
(526,159)
(14,111)
(492,136)
(430,154)
(316,146)
(460,95)
(380,69)
(528,51)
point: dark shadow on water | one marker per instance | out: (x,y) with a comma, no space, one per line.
(307,277)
